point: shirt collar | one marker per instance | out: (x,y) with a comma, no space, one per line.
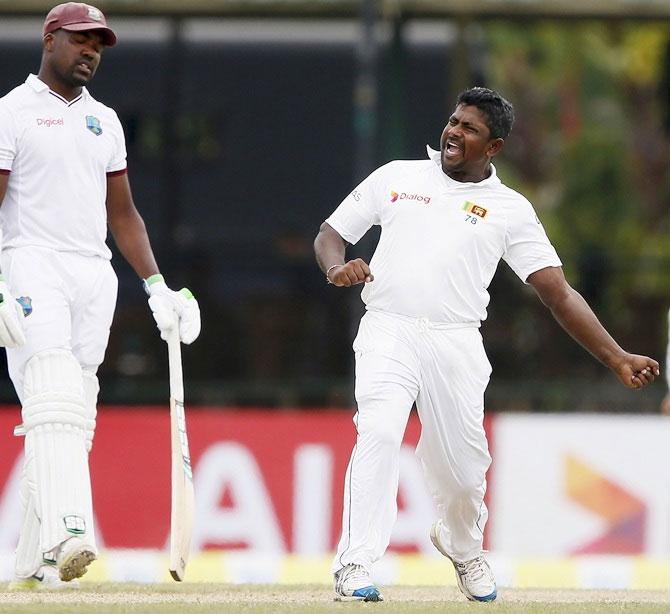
(436,156)
(38,86)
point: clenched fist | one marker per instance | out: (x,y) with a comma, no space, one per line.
(349,274)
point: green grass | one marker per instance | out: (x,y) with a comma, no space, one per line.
(188,598)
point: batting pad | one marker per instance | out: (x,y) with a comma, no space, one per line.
(28,552)
(91,390)
(55,420)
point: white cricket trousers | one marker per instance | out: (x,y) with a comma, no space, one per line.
(73,299)
(444,369)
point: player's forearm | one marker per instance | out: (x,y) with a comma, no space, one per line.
(133,242)
(576,317)
(329,247)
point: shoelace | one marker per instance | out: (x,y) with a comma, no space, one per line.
(473,569)
(356,574)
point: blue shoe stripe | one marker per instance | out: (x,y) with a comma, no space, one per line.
(369,593)
(490,597)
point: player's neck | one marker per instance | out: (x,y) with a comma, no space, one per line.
(464,176)
(65,90)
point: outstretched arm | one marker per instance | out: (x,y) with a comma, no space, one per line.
(329,248)
(665,403)
(573,313)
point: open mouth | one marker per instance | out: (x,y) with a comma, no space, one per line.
(452,149)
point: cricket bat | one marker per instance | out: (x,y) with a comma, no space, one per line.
(183,502)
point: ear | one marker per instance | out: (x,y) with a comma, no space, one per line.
(494,147)
(48,41)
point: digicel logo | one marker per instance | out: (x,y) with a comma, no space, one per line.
(405,196)
(50,121)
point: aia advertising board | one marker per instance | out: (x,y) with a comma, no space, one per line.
(268,481)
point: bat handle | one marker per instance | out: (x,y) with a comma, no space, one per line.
(174,363)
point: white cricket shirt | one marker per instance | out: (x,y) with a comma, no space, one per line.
(58,154)
(441,240)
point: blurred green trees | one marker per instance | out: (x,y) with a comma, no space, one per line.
(591,150)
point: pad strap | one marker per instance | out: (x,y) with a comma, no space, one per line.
(91,390)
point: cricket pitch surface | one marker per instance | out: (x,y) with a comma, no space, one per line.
(111,597)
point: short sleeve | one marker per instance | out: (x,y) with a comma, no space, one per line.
(117,161)
(359,211)
(528,248)
(8,138)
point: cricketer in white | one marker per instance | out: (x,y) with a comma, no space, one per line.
(445,224)
(63,181)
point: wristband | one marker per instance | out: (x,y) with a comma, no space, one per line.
(152,279)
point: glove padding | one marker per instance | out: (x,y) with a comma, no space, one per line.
(11,319)
(169,307)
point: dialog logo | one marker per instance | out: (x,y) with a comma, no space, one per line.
(407,196)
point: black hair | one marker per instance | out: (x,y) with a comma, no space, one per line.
(498,111)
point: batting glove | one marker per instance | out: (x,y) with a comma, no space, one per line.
(11,318)
(169,307)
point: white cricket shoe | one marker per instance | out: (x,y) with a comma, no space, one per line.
(353,583)
(73,558)
(474,577)
(45,579)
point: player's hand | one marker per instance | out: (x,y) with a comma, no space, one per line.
(353,272)
(11,319)
(637,371)
(166,303)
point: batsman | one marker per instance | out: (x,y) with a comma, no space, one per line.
(63,182)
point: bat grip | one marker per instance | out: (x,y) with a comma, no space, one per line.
(174,360)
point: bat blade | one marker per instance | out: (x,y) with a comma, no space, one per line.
(182,495)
